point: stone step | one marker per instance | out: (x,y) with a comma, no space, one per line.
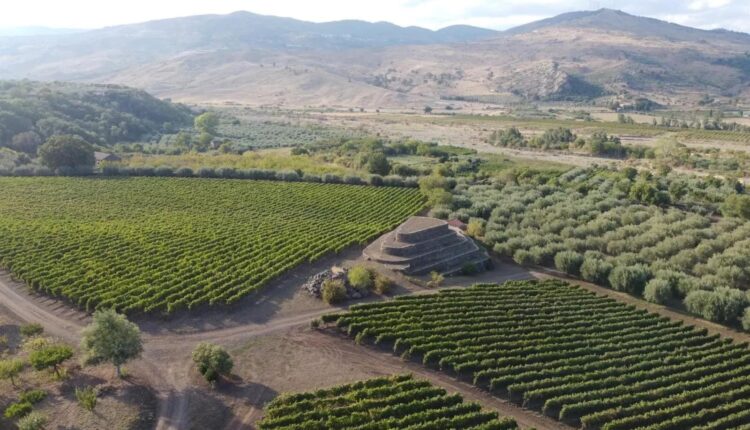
(421,235)
(435,253)
(446,263)
(480,262)
(396,248)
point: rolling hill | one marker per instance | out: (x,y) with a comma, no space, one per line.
(255,59)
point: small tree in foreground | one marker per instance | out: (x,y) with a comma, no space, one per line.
(50,357)
(212,361)
(10,369)
(111,338)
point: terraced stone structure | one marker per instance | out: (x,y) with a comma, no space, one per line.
(422,245)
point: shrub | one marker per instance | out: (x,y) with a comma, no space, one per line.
(23,171)
(50,356)
(206,172)
(329,178)
(475,228)
(184,172)
(86,397)
(33,396)
(333,291)
(30,330)
(226,172)
(436,280)
(746,319)
(630,279)
(658,291)
(469,269)
(164,171)
(111,170)
(383,284)
(354,180)
(10,369)
(376,180)
(360,277)
(212,361)
(32,421)
(569,262)
(17,409)
(309,177)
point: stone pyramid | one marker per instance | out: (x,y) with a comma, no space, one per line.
(422,245)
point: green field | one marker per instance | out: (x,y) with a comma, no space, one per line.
(585,359)
(145,244)
(397,402)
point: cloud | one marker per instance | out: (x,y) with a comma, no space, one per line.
(498,14)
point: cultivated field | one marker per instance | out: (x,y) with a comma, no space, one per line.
(146,244)
(582,358)
(391,402)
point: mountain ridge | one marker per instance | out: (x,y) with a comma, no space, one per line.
(258,59)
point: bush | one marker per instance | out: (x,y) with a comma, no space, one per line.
(33,396)
(376,180)
(329,178)
(630,279)
(746,319)
(333,291)
(184,172)
(569,262)
(436,280)
(30,330)
(164,171)
(50,356)
(206,172)
(32,421)
(360,278)
(86,397)
(18,409)
(475,228)
(212,361)
(67,151)
(383,285)
(658,291)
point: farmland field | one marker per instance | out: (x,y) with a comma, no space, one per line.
(398,402)
(145,244)
(582,358)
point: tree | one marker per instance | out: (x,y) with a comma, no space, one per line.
(111,338)
(212,361)
(10,369)
(724,305)
(595,270)
(27,142)
(50,356)
(66,151)
(746,319)
(658,291)
(569,262)
(377,164)
(428,109)
(207,123)
(436,279)
(630,279)
(360,277)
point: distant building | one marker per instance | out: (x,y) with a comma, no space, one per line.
(105,156)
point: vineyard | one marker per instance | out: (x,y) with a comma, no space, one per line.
(397,402)
(146,244)
(584,359)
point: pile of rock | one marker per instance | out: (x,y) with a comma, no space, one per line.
(314,285)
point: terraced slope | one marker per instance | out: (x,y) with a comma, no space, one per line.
(397,402)
(145,244)
(584,359)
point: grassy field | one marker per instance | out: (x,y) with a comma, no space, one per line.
(279,159)
(145,244)
(585,359)
(398,402)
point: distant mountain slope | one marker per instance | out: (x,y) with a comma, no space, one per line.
(256,59)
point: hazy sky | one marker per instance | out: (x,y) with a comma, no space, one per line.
(497,14)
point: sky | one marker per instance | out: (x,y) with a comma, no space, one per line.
(495,14)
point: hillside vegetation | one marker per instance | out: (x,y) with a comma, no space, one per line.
(32,112)
(148,244)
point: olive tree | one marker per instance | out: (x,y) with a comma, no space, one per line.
(658,291)
(212,361)
(569,262)
(111,338)
(723,305)
(595,270)
(630,278)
